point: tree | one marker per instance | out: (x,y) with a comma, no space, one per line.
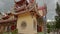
(48,28)
(51,27)
(58,9)
(57,17)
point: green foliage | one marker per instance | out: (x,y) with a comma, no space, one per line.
(57,18)
(48,28)
(58,9)
(15,31)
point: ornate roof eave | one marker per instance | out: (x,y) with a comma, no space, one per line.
(8,20)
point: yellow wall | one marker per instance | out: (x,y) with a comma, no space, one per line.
(29,21)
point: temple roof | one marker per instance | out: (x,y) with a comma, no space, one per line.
(9,18)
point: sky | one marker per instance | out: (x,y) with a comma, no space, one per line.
(51,5)
(6,5)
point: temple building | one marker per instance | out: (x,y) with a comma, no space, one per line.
(30,17)
(26,17)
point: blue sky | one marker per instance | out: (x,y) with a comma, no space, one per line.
(6,5)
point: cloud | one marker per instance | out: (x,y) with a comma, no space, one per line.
(51,5)
(40,2)
(6,5)
(59,1)
(1,4)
